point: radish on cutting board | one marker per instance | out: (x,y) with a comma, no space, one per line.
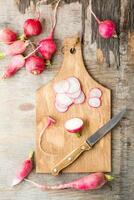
(74,125)
(94,102)
(95,92)
(68,92)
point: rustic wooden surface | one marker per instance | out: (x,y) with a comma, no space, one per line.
(56,149)
(17,105)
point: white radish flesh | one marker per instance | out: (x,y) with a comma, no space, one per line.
(61,87)
(74,125)
(74,95)
(80,99)
(95,92)
(63,99)
(74,85)
(94,102)
(60,109)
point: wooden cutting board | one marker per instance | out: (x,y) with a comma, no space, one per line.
(56,142)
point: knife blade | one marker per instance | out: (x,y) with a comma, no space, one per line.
(88,144)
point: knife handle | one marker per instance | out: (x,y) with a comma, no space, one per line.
(70,158)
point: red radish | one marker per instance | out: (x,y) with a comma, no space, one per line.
(47,46)
(61,87)
(32,27)
(50,121)
(107,28)
(74,85)
(95,92)
(63,99)
(17,62)
(35,64)
(94,102)
(90,182)
(74,125)
(80,99)
(24,171)
(16,48)
(7,36)
(74,95)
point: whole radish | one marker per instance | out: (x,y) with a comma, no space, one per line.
(35,64)
(7,36)
(32,27)
(90,182)
(47,46)
(107,28)
(24,171)
(17,62)
(15,48)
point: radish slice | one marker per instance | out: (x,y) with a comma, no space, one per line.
(63,99)
(95,92)
(74,95)
(60,109)
(61,87)
(60,105)
(80,99)
(74,85)
(94,102)
(73,125)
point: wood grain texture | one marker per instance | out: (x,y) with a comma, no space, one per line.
(17,126)
(56,142)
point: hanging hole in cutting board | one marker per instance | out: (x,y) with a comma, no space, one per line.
(72,50)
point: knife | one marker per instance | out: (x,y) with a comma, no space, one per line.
(88,144)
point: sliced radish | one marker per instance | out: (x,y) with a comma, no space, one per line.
(61,87)
(63,99)
(95,92)
(74,85)
(80,99)
(60,105)
(94,102)
(60,109)
(74,125)
(74,95)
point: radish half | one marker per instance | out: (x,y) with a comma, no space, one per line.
(74,85)
(94,102)
(74,125)
(80,99)
(61,87)
(95,92)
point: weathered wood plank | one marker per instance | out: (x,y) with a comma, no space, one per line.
(17,101)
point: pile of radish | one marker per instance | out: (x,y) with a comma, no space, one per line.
(68,92)
(94,99)
(35,62)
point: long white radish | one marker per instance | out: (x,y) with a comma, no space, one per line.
(74,84)
(95,92)
(74,95)
(60,109)
(61,87)
(94,102)
(73,125)
(80,99)
(63,99)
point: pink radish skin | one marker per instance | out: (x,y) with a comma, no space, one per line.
(94,102)
(35,65)
(61,87)
(63,99)
(24,171)
(74,95)
(7,36)
(32,27)
(95,92)
(16,48)
(74,125)
(80,99)
(90,182)
(107,28)
(74,85)
(17,62)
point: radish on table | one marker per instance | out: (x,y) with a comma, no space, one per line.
(7,36)
(90,182)
(68,92)
(74,125)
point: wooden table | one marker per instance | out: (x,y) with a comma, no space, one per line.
(17,104)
